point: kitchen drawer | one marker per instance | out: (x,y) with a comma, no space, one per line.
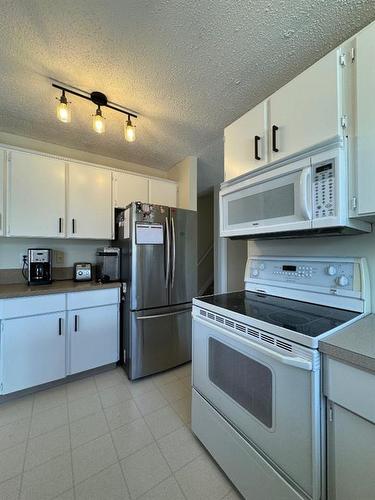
(31,306)
(80,300)
(350,387)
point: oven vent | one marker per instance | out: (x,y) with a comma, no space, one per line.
(202,312)
(241,328)
(252,332)
(220,319)
(229,323)
(211,316)
(284,345)
(267,338)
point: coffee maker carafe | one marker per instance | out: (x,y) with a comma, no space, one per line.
(40,266)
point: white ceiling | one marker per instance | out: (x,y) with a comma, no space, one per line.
(189,67)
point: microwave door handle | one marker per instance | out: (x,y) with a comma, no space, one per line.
(295,361)
(167,252)
(305,193)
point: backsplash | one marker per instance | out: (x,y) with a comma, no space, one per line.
(65,254)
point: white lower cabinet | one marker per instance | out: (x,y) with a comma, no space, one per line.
(93,337)
(46,338)
(32,351)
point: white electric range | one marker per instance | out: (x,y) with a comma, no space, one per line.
(257,399)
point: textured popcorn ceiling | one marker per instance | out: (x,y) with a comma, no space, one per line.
(189,67)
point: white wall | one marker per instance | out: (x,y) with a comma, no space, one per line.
(185,173)
(75,154)
(337,246)
(70,251)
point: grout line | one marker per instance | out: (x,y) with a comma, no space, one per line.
(26,448)
(113,444)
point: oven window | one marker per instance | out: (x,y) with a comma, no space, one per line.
(270,204)
(245,380)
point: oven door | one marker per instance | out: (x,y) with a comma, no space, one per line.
(272,202)
(272,399)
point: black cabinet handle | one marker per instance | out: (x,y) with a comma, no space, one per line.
(275,128)
(60,326)
(73,226)
(76,322)
(256,147)
(60,224)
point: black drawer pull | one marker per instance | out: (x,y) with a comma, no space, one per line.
(256,147)
(275,128)
(76,322)
(60,326)
(73,226)
(60,224)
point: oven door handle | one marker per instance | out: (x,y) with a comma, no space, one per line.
(295,361)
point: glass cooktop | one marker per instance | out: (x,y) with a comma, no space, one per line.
(302,317)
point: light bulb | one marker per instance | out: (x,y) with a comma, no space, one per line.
(98,123)
(129,131)
(63,111)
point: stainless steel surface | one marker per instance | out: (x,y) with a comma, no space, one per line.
(82,271)
(161,281)
(159,344)
(185,261)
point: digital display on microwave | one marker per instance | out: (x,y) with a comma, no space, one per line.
(323,168)
(290,268)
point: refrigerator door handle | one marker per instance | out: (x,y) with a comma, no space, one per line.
(167,250)
(173,251)
(174,313)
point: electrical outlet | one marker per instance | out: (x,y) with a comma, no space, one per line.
(58,257)
(23,259)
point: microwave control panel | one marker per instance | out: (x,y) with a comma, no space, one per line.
(324,187)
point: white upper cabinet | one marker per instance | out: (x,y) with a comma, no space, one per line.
(307,110)
(163,192)
(128,188)
(2,191)
(89,202)
(36,195)
(365,134)
(245,143)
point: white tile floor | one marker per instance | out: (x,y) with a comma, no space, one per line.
(104,438)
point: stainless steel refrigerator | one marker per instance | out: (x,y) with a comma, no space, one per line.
(159,269)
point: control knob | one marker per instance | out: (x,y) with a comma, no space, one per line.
(331,270)
(342,280)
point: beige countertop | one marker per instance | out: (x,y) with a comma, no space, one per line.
(354,344)
(63,286)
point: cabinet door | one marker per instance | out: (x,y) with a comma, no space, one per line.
(36,195)
(2,191)
(89,202)
(351,457)
(32,351)
(365,164)
(163,193)
(94,337)
(245,147)
(128,188)
(307,110)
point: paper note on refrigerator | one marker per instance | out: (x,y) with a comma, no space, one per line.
(149,234)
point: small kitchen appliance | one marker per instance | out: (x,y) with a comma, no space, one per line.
(108,264)
(257,403)
(39,266)
(82,271)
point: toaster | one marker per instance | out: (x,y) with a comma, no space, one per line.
(82,271)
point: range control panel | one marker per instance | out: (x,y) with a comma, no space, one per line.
(330,274)
(324,187)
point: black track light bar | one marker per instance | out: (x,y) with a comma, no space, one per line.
(96,97)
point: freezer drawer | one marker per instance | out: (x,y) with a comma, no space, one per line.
(159,339)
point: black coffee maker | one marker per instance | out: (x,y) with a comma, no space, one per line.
(39,266)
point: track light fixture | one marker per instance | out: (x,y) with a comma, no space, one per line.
(63,111)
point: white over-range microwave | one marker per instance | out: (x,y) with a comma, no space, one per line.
(309,196)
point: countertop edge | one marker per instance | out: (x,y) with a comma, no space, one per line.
(356,359)
(62,286)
